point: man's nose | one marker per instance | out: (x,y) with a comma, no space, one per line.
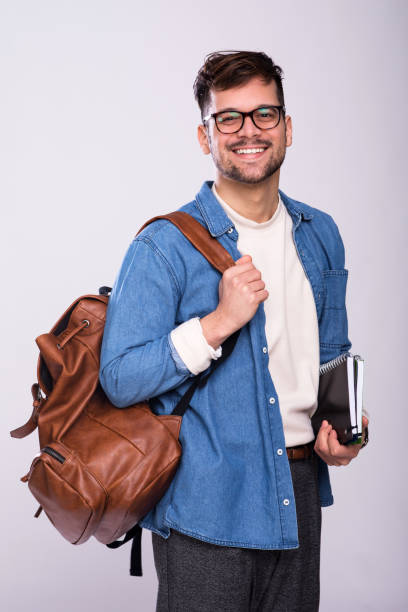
(249,128)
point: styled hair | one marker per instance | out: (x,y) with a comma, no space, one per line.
(225,69)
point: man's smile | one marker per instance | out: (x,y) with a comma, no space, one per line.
(249,152)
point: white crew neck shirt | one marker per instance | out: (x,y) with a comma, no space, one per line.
(291,325)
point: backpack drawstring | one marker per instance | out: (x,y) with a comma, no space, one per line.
(83,324)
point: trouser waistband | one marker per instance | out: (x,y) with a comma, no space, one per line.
(302,451)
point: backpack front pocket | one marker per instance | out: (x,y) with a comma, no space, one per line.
(69,494)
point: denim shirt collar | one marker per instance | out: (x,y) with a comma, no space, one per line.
(217,220)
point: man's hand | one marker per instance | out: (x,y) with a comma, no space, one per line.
(329,448)
(240,291)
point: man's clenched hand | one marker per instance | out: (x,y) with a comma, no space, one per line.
(329,448)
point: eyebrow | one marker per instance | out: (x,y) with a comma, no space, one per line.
(224,110)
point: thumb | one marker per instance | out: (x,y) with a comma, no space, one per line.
(243,259)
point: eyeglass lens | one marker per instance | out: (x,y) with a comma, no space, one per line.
(232,121)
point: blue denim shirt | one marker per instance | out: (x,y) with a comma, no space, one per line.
(233,483)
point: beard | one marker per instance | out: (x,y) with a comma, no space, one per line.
(250,174)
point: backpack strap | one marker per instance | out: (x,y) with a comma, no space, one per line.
(200,380)
(135,533)
(31,425)
(200,237)
(219,257)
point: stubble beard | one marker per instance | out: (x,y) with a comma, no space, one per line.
(229,170)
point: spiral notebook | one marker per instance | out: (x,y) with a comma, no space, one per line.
(340,397)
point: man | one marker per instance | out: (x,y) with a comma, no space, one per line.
(239,527)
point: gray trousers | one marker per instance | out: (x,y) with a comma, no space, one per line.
(196,576)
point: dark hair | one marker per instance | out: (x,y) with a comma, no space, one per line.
(225,69)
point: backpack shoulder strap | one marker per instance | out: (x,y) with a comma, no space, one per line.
(200,237)
(219,257)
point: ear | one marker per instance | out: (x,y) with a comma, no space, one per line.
(288,122)
(203,139)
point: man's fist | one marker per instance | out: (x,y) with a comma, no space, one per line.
(240,291)
(329,448)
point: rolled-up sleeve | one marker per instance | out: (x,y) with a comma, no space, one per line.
(190,345)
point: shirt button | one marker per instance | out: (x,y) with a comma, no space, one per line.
(279,451)
(230,230)
(286,502)
(271,400)
(265,350)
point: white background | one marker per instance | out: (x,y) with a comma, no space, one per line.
(98,134)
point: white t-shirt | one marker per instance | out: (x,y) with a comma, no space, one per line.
(291,326)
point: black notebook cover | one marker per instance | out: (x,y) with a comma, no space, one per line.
(333,402)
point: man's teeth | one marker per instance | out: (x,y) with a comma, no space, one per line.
(246,151)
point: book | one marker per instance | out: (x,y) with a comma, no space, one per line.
(340,397)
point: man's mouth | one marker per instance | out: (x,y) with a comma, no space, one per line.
(249,152)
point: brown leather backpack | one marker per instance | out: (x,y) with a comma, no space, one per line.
(101,469)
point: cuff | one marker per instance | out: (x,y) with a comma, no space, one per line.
(192,347)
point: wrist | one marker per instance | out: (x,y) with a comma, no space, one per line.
(214,329)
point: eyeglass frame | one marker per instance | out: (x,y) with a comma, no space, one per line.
(281,108)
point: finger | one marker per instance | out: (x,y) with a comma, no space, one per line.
(240,268)
(243,259)
(248,275)
(342,453)
(321,444)
(334,446)
(257,285)
(365,421)
(322,433)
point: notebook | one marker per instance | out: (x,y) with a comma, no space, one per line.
(340,397)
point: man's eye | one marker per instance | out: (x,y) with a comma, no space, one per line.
(228,118)
(266,113)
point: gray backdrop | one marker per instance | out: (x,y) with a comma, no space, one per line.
(86,160)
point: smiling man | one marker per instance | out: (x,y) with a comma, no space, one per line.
(239,527)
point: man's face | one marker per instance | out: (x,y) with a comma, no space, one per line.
(246,167)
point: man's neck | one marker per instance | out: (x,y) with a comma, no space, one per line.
(253,201)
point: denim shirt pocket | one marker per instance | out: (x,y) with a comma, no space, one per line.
(334,327)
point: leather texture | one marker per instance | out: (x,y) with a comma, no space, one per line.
(304,451)
(100,468)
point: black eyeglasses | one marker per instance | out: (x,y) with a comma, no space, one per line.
(230,121)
